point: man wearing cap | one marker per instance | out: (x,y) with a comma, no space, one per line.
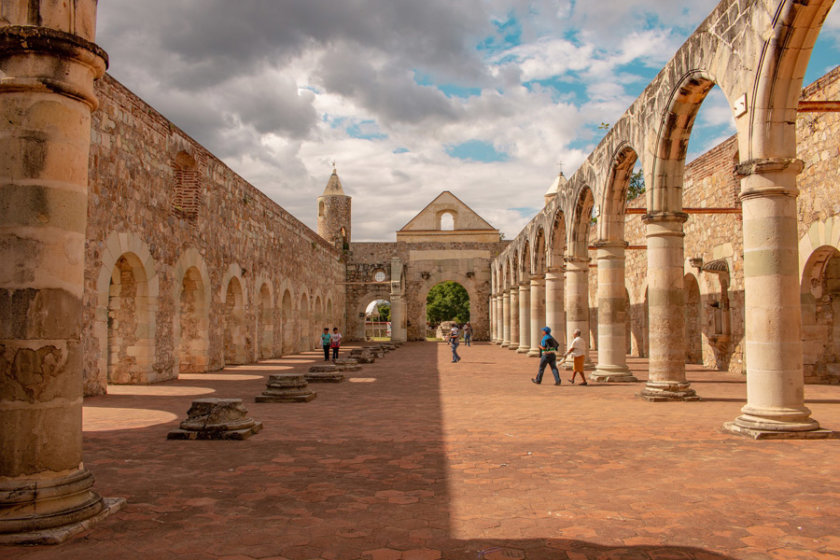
(548,356)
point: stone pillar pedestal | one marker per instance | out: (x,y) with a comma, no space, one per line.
(514,318)
(524,318)
(505,319)
(46,98)
(215,418)
(666,309)
(286,387)
(775,400)
(537,314)
(612,315)
(577,302)
(555,313)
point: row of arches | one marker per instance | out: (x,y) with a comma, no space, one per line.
(133,312)
(760,74)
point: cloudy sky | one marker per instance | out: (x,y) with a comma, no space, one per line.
(486,98)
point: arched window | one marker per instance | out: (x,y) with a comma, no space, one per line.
(447,221)
(186,187)
(321,209)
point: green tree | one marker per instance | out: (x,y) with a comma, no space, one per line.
(637,185)
(448,301)
(384,311)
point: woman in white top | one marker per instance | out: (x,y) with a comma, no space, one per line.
(578,352)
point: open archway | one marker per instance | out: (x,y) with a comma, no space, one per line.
(693,321)
(377,324)
(265,323)
(288,322)
(447,303)
(821,316)
(194,323)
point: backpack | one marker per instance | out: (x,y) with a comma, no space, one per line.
(551,343)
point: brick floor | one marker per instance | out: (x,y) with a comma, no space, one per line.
(419,458)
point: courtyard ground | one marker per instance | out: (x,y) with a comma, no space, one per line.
(416,458)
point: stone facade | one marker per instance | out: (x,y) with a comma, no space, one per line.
(189,267)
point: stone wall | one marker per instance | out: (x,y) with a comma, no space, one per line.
(425,264)
(188,266)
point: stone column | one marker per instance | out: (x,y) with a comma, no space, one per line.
(666,309)
(537,313)
(612,314)
(514,318)
(491,318)
(524,317)
(46,98)
(500,330)
(775,399)
(577,301)
(505,319)
(398,318)
(555,313)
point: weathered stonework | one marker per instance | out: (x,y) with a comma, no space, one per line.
(286,387)
(189,286)
(216,418)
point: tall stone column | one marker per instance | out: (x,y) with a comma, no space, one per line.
(666,309)
(499,320)
(46,98)
(505,319)
(537,313)
(555,312)
(491,313)
(612,314)
(775,398)
(398,318)
(524,317)
(514,318)
(577,301)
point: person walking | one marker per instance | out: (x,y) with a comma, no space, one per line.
(335,343)
(454,335)
(325,343)
(467,334)
(578,351)
(548,357)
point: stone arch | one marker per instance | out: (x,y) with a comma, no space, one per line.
(138,262)
(440,277)
(693,321)
(614,198)
(287,314)
(192,325)
(525,262)
(820,297)
(318,315)
(538,258)
(265,319)
(186,188)
(363,303)
(557,240)
(582,218)
(234,302)
(330,319)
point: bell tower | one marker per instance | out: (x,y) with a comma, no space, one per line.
(334,213)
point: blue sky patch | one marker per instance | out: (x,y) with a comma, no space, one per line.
(366,130)
(524,212)
(400,150)
(476,150)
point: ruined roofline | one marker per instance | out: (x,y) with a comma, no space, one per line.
(283,216)
(489,225)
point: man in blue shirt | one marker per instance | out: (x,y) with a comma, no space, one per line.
(548,356)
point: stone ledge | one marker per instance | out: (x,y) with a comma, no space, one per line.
(735,429)
(58,535)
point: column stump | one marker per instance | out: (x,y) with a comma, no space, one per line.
(286,387)
(215,418)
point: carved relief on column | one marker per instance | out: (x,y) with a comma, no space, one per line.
(46,98)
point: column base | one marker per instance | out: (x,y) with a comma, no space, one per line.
(514,347)
(612,374)
(523,349)
(504,344)
(738,430)
(57,535)
(663,391)
(534,353)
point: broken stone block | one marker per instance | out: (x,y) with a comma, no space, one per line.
(363,356)
(286,387)
(216,418)
(334,376)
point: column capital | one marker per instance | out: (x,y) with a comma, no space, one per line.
(554,275)
(611,244)
(525,285)
(762,166)
(769,177)
(23,40)
(537,279)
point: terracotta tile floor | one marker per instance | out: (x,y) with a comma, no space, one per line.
(419,458)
